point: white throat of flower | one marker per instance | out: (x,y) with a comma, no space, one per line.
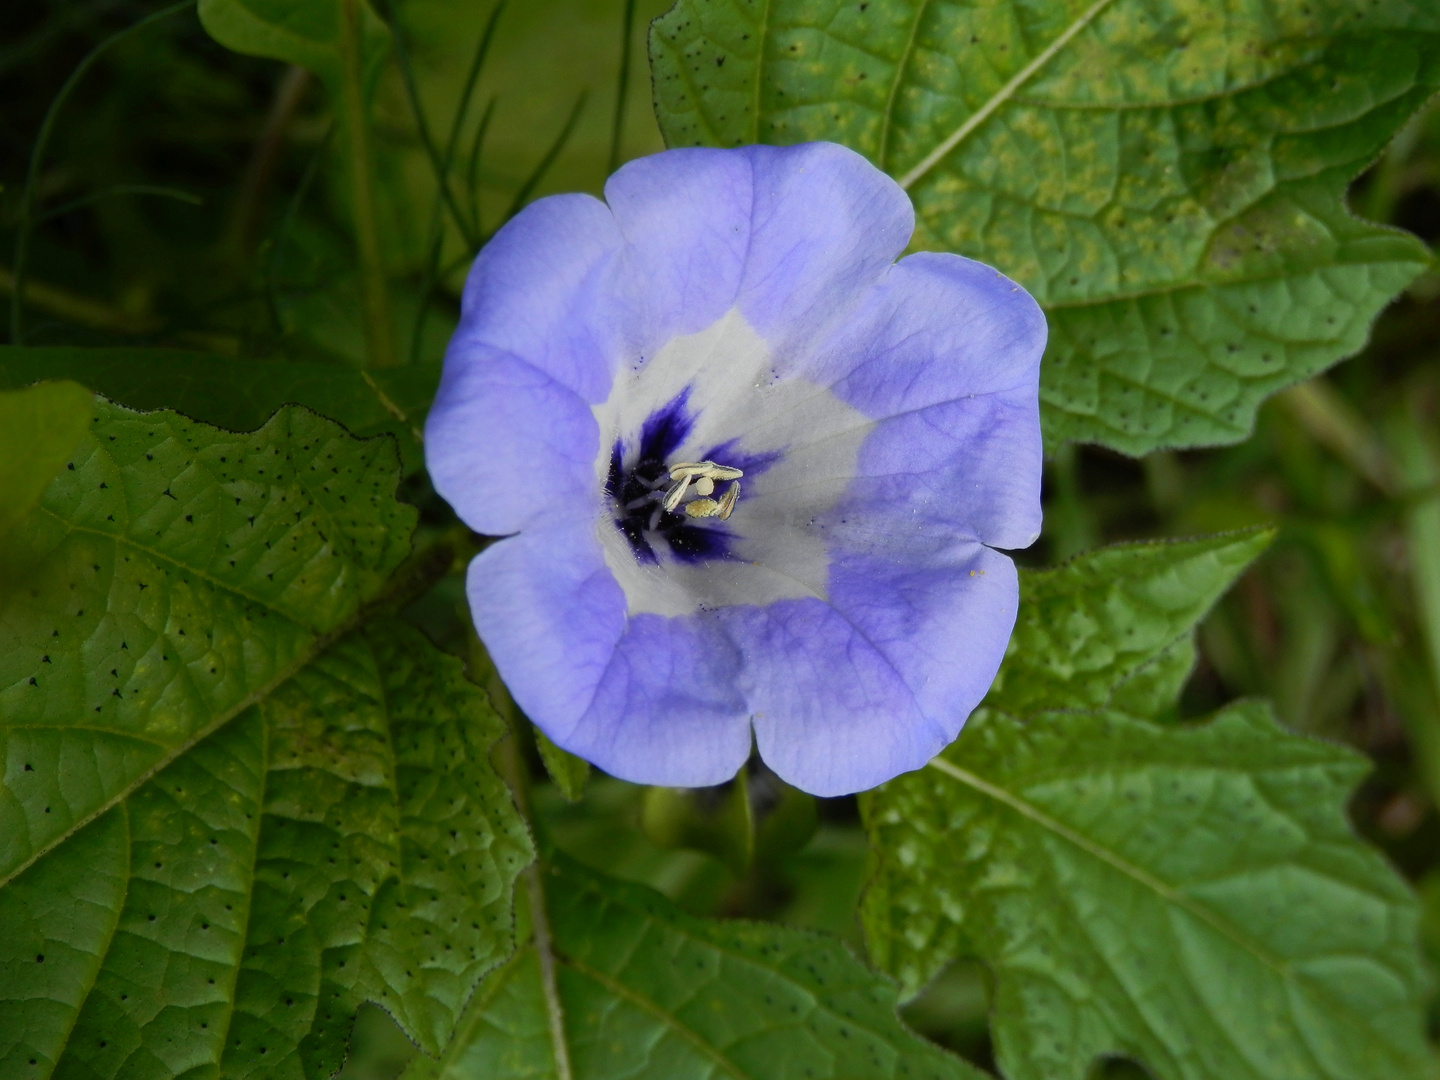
(737,397)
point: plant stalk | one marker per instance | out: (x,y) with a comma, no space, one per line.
(374,290)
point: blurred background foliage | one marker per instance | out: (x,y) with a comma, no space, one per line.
(189,198)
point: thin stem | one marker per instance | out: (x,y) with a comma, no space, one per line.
(617,129)
(27,220)
(78,309)
(533,180)
(472,77)
(440,166)
(179,194)
(437,230)
(272,275)
(374,290)
(1332,422)
(472,172)
(1417,462)
(545,951)
(516,776)
(290,92)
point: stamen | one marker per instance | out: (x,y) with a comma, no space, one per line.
(727,501)
(704,508)
(687,478)
(676,493)
(704,468)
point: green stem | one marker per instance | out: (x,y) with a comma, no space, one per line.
(374,291)
(1418,465)
(617,129)
(27,220)
(1070,527)
(514,768)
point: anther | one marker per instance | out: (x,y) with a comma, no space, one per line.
(704,468)
(677,492)
(722,509)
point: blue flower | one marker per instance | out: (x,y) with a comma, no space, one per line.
(750,471)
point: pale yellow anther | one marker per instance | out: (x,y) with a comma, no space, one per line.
(706,469)
(676,493)
(703,475)
(702,508)
(727,501)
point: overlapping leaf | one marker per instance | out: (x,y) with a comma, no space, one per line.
(232,809)
(1166,178)
(1191,896)
(650,993)
(1116,626)
(39,426)
(239,393)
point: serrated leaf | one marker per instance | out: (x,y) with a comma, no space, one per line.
(239,394)
(227,817)
(1191,897)
(651,993)
(1114,627)
(1167,179)
(38,429)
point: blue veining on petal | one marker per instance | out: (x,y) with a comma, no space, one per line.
(661,436)
(666,428)
(616,476)
(696,544)
(752,465)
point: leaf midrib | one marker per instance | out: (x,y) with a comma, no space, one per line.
(640,1001)
(1282,969)
(303,659)
(1143,877)
(118,539)
(1003,95)
(887,120)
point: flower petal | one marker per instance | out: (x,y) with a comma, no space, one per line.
(847,695)
(667,710)
(648,699)
(507,444)
(946,353)
(550,615)
(790,235)
(534,292)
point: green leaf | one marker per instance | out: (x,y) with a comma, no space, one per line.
(240,394)
(38,429)
(1166,180)
(233,809)
(569,772)
(309,33)
(650,993)
(1114,627)
(1190,897)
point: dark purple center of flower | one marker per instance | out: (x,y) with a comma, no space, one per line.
(645,471)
